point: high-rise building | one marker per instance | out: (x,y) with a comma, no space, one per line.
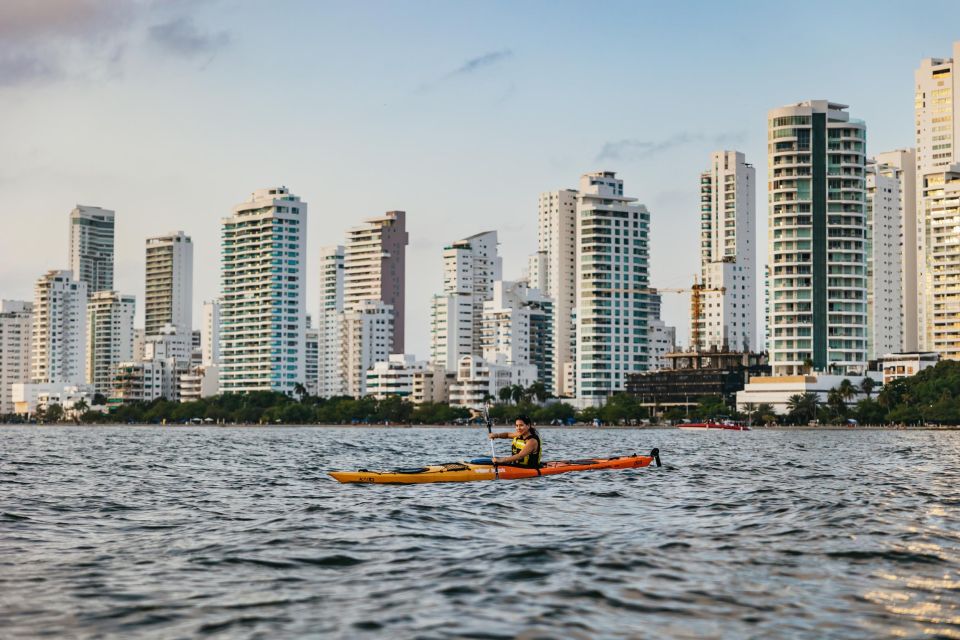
(262,308)
(109,337)
(169,284)
(727,253)
(374,268)
(817,233)
(470,267)
(937,101)
(210,333)
(330,373)
(940,327)
(16,318)
(517,329)
(92,247)
(612,287)
(372,322)
(59,331)
(901,164)
(883,248)
(311,373)
(553,270)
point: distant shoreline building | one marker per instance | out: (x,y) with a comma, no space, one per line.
(262,301)
(168,298)
(817,234)
(728,216)
(612,331)
(92,247)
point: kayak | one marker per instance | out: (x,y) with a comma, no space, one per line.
(711,424)
(482,470)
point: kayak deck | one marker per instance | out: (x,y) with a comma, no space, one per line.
(470,472)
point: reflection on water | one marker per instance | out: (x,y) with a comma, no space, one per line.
(170,532)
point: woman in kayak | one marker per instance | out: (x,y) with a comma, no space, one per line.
(525,449)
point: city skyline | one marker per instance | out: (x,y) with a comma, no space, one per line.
(390,131)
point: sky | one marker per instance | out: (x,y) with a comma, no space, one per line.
(171,112)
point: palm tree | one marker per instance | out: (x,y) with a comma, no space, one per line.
(846,390)
(867,386)
(517,391)
(808,365)
(505,394)
(79,408)
(836,402)
(803,405)
(538,390)
(300,391)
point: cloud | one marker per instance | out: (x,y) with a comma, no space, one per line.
(24,68)
(48,40)
(471,66)
(182,37)
(632,149)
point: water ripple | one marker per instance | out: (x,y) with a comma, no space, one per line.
(196,532)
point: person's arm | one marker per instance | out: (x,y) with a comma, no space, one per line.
(502,434)
(528,449)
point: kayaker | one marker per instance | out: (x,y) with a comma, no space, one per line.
(525,449)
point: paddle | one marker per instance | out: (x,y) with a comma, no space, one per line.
(493,452)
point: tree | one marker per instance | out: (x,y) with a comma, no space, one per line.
(99,399)
(300,391)
(835,400)
(79,408)
(749,408)
(505,394)
(54,413)
(803,406)
(808,365)
(538,391)
(867,386)
(846,390)
(517,393)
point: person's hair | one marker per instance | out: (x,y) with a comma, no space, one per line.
(525,420)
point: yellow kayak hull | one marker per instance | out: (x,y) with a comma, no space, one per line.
(469,472)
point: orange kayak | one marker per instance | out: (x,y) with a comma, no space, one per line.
(471,471)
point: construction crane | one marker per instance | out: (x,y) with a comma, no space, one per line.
(696,303)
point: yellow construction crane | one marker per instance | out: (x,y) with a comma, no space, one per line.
(696,303)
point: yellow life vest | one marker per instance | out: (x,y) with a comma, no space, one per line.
(532,460)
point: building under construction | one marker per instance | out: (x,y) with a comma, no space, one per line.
(694,374)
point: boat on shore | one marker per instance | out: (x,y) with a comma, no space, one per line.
(482,469)
(723,425)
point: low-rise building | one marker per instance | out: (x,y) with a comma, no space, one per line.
(394,376)
(28,398)
(903,365)
(776,391)
(692,375)
(479,381)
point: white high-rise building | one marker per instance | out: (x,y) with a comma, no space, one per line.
(210,333)
(59,331)
(92,247)
(311,371)
(937,107)
(728,216)
(817,235)
(612,288)
(517,329)
(883,248)
(374,291)
(470,267)
(901,164)
(366,336)
(941,238)
(553,270)
(330,372)
(109,337)
(169,284)
(262,302)
(16,318)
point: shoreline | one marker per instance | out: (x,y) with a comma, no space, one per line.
(578,427)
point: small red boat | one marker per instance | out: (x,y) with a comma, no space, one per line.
(727,425)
